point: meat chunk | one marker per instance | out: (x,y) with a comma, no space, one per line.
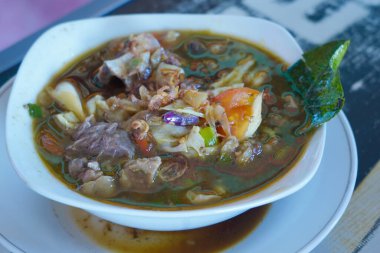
(129,66)
(149,166)
(139,175)
(169,75)
(133,64)
(77,166)
(104,187)
(173,169)
(90,175)
(162,55)
(143,42)
(81,169)
(164,96)
(101,140)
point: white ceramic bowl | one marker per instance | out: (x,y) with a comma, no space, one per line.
(62,43)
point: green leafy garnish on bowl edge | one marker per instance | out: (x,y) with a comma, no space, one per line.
(316,79)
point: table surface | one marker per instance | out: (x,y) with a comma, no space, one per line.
(314,23)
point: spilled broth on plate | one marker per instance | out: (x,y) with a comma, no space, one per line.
(213,238)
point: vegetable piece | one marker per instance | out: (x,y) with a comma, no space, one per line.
(92,104)
(219,90)
(157,56)
(257,77)
(243,109)
(167,137)
(195,141)
(195,98)
(44,99)
(50,143)
(169,75)
(180,119)
(209,136)
(144,145)
(67,121)
(216,113)
(142,137)
(181,107)
(236,75)
(199,196)
(229,145)
(172,138)
(66,94)
(35,111)
(170,36)
(316,79)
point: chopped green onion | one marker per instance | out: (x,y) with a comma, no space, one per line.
(209,136)
(35,111)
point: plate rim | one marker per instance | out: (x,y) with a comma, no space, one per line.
(4,241)
(349,190)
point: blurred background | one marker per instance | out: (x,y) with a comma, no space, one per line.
(20,18)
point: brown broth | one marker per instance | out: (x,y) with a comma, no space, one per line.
(213,238)
(238,180)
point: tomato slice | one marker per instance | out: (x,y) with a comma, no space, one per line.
(238,104)
(145,145)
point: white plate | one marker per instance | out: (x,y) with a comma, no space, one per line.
(30,223)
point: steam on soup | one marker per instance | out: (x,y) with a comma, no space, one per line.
(169,119)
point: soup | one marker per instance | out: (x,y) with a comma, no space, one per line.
(169,119)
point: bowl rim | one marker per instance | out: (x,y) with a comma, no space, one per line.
(235,204)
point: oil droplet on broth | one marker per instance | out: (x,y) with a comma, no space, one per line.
(213,238)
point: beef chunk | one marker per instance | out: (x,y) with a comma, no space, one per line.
(101,140)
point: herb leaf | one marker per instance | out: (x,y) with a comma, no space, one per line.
(35,111)
(316,79)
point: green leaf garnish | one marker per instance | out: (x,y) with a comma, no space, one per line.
(316,79)
(35,111)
